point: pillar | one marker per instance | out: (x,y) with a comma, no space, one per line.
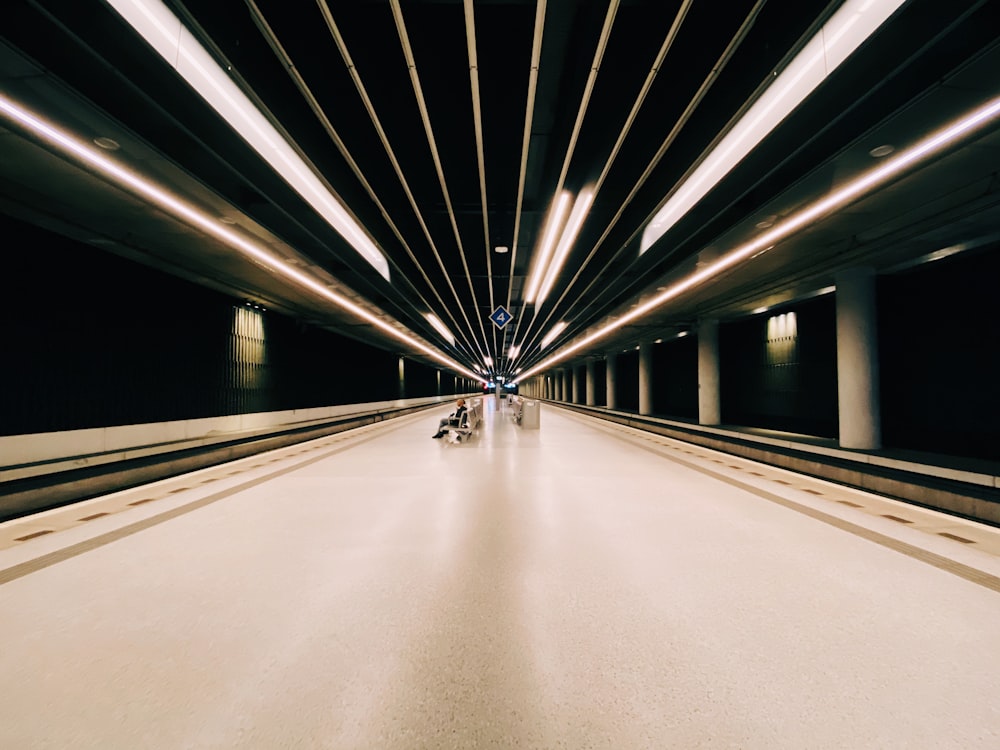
(709,400)
(645,377)
(568,385)
(591,396)
(612,375)
(858,397)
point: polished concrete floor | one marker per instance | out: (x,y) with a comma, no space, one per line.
(576,586)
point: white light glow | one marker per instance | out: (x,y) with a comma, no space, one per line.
(554,224)
(441,328)
(836,200)
(566,240)
(175,44)
(839,37)
(550,336)
(488,361)
(513,351)
(208,223)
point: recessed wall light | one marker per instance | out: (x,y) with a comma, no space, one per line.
(501,249)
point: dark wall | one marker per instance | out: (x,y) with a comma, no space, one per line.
(675,378)
(627,381)
(939,337)
(787,383)
(601,383)
(91,340)
(422,380)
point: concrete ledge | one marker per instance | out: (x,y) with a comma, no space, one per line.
(47,470)
(969,493)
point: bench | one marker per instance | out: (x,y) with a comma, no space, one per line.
(469,424)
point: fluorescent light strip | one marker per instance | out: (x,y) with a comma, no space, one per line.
(209,223)
(440,328)
(175,44)
(513,351)
(576,217)
(836,200)
(555,222)
(851,25)
(551,335)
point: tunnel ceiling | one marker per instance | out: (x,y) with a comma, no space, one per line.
(447,129)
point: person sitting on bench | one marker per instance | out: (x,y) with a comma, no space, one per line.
(452,420)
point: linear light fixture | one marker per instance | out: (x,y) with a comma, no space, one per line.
(175,44)
(893,168)
(839,37)
(513,351)
(554,224)
(566,240)
(78,149)
(551,335)
(441,328)
(488,361)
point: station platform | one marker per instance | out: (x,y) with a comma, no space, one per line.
(582,585)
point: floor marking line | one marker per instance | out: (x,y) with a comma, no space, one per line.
(941,562)
(47,560)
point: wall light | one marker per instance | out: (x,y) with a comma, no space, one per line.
(75,148)
(167,36)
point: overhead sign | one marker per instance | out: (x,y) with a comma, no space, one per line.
(500,317)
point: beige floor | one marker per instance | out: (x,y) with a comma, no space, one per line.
(579,586)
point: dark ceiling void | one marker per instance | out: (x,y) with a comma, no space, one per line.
(448,136)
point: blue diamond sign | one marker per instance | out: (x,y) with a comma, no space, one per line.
(500,317)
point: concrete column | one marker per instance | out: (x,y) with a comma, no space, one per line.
(591,396)
(402,378)
(709,400)
(557,385)
(858,395)
(645,377)
(576,385)
(612,376)
(568,385)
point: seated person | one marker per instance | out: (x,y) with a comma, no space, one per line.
(452,420)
